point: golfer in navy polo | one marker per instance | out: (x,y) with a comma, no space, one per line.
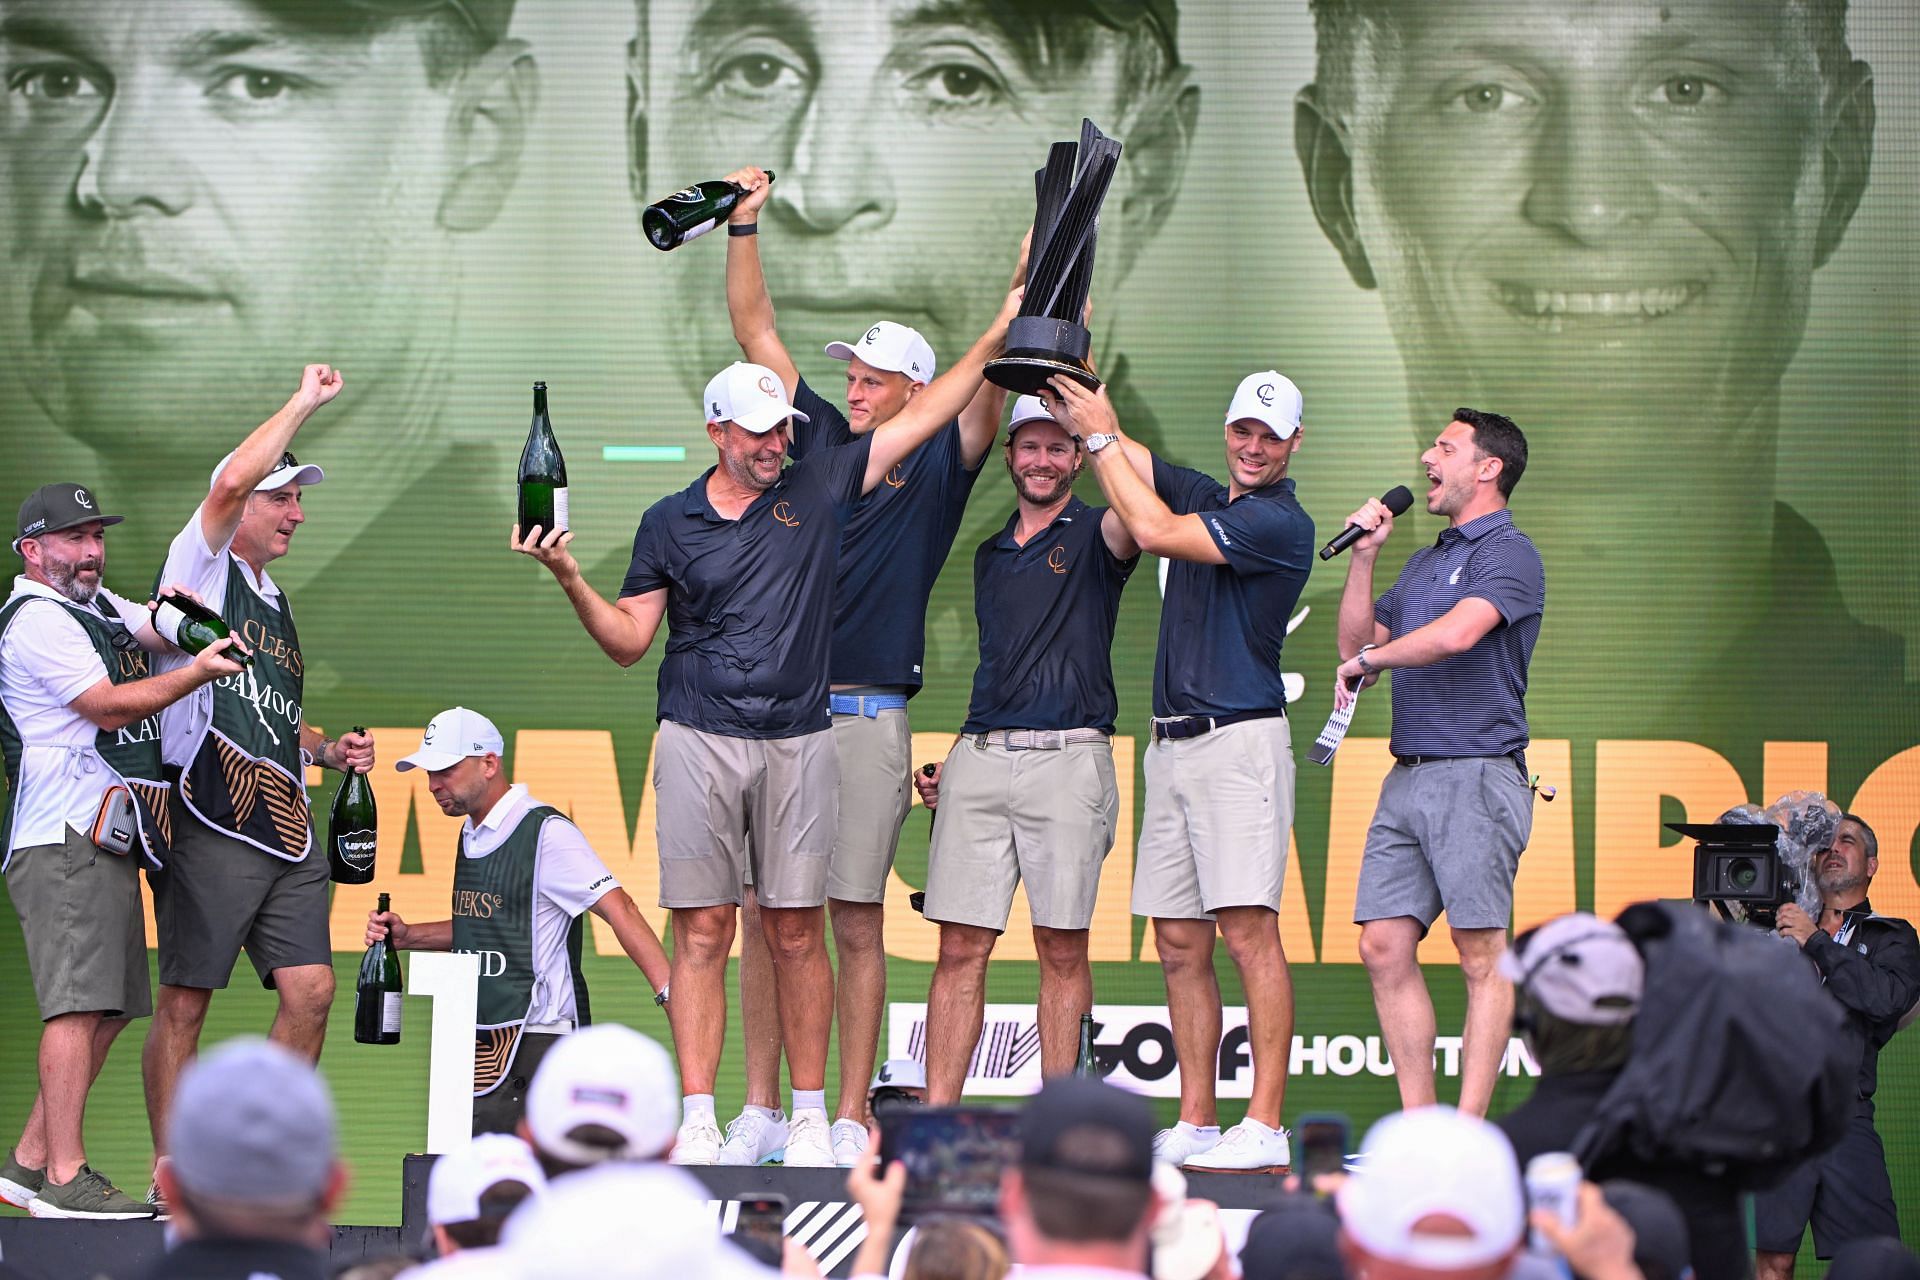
(741,566)
(1213,842)
(1027,793)
(891,552)
(1456,809)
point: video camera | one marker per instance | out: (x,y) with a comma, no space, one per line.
(1752,861)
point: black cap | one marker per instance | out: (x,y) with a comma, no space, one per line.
(489,17)
(1295,1238)
(53,507)
(1078,1124)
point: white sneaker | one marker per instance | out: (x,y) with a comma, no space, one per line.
(1176,1146)
(849,1141)
(754,1138)
(698,1142)
(1248,1147)
(808,1143)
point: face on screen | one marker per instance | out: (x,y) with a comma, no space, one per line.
(199,195)
(903,135)
(1597,209)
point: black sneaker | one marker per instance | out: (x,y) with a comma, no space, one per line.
(88,1195)
(19,1184)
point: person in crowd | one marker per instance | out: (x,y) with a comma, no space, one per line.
(473,1189)
(605,1094)
(1436,1193)
(1080,1198)
(80,711)
(1220,773)
(1027,793)
(1870,963)
(524,883)
(941,1249)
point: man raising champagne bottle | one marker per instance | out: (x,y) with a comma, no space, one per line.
(242,872)
(741,565)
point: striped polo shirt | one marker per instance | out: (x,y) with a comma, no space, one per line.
(1474,703)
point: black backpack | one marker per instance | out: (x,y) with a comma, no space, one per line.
(1738,1067)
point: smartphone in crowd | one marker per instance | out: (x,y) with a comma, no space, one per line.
(953,1155)
(759,1231)
(1323,1146)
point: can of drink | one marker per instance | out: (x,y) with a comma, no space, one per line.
(1553,1184)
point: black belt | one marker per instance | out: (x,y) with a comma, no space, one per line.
(1180,727)
(1517,757)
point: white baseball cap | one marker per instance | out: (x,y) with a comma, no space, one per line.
(899,1073)
(623,1220)
(1269,398)
(1581,968)
(750,396)
(461,1178)
(289,470)
(451,737)
(1434,1161)
(892,348)
(606,1075)
(1026,409)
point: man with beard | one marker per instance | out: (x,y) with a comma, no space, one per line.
(1027,793)
(1871,965)
(172,174)
(1456,810)
(244,872)
(79,723)
(741,564)
(890,556)
(1652,185)
(1219,814)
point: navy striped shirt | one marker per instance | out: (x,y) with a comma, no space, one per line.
(1474,703)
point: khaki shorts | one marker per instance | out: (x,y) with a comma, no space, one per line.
(1042,818)
(876,794)
(79,907)
(1214,834)
(219,894)
(729,808)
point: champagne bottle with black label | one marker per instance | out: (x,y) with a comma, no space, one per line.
(352,831)
(689,214)
(543,473)
(376,1001)
(1084,1062)
(190,626)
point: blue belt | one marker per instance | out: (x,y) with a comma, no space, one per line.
(865,704)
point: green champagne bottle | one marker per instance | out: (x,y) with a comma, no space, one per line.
(376,1001)
(190,626)
(1084,1062)
(543,473)
(353,829)
(689,214)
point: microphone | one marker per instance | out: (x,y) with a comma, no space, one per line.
(1396,500)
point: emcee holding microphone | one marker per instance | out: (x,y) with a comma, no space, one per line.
(1456,809)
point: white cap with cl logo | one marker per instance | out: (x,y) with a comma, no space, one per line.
(891,348)
(451,737)
(750,396)
(1269,398)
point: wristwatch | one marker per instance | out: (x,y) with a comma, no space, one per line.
(1361,658)
(1099,440)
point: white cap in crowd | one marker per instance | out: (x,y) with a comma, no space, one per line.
(644,1221)
(606,1075)
(891,348)
(462,1177)
(1269,398)
(1434,1162)
(451,737)
(899,1073)
(751,397)
(288,470)
(1580,968)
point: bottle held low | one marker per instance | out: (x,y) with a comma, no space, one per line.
(353,829)
(378,994)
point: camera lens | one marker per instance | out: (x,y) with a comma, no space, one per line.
(1743,873)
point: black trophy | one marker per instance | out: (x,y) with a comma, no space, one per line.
(1047,338)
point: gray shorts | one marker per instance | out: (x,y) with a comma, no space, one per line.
(1447,834)
(79,909)
(876,793)
(726,809)
(219,895)
(1219,810)
(1040,818)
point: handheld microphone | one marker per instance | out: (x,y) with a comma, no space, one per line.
(1396,500)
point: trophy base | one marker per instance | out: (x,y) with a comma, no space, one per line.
(1027,375)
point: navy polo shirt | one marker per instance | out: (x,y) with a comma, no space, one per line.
(1474,703)
(749,601)
(1046,613)
(891,550)
(1222,625)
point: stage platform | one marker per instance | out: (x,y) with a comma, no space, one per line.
(819,1216)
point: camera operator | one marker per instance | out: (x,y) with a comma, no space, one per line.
(1871,965)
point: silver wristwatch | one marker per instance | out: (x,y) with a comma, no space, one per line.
(1099,440)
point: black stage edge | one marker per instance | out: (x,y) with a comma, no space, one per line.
(820,1217)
